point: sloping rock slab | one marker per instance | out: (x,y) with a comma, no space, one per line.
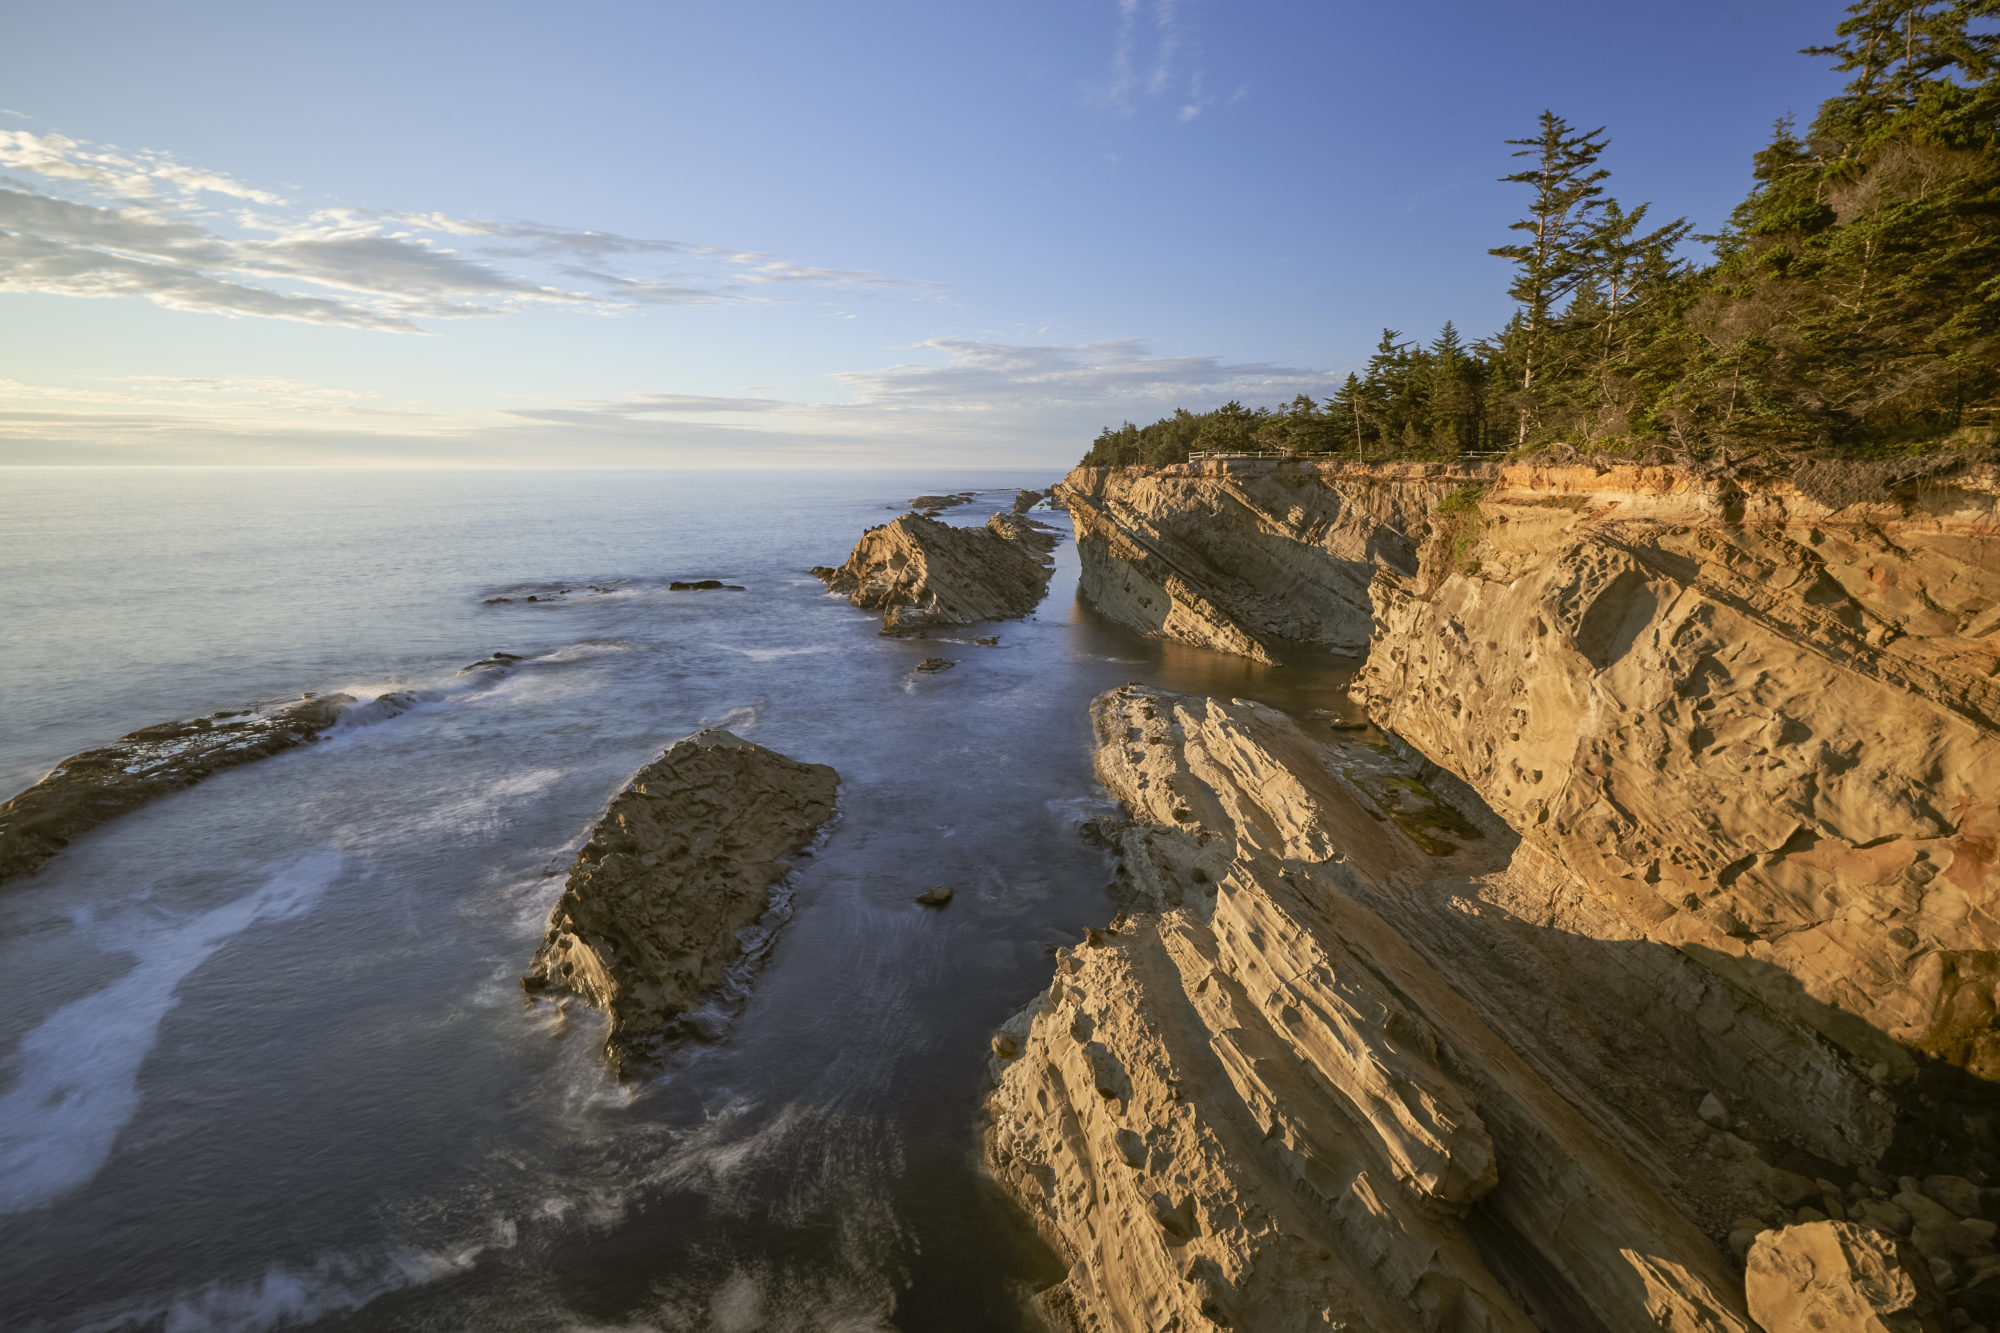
(679,868)
(98,785)
(924,574)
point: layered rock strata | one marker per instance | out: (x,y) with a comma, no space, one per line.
(88,789)
(923,574)
(1243,556)
(666,895)
(1307,1085)
(1724,963)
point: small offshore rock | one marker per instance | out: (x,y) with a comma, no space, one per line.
(937,896)
(694,585)
(936,664)
(923,574)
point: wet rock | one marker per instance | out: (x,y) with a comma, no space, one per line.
(936,664)
(990,641)
(950,501)
(91,788)
(936,896)
(676,873)
(1835,1277)
(924,574)
(701,585)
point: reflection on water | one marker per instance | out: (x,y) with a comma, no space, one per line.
(280,1072)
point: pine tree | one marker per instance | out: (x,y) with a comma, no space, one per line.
(1549,266)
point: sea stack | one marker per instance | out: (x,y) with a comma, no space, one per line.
(683,860)
(924,574)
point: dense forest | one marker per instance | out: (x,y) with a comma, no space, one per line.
(1851,305)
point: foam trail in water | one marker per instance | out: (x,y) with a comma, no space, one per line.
(78,1082)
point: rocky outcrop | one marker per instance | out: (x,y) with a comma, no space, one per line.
(1722,965)
(88,789)
(1243,556)
(673,879)
(1754,731)
(1320,1080)
(925,574)
(1026,500)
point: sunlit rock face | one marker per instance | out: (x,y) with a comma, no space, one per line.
(923,574)
(1662,922)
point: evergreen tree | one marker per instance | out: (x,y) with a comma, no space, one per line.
(1554,260)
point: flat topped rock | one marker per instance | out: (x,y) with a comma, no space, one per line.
(88,789)
(923,574)
(683,860)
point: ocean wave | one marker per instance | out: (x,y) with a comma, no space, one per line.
(77,1084)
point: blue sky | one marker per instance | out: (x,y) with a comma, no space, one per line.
(789,233)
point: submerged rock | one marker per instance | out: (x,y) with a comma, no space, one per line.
(88,789)
(681,864)
(924,574)
(702,585)
(936,897)
(936,664)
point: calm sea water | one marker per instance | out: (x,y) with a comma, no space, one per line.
(265,1062)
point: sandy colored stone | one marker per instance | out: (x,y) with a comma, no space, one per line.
(1289,1090)
(924,574)
(680,867)
(88,789)
(1241,556)
(1836,1277)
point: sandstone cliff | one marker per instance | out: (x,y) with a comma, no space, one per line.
(88,789)
(924,574)
(676,873)
(1240,556)
(1720,966)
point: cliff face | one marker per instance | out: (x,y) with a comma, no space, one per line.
(1667,922)
(1237,556)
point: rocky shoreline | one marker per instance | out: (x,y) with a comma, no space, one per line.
(96,786)
(1643,980)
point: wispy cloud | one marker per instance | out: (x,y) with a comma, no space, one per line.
(1149,40)
(104,222)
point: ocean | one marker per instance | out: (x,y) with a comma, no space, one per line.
(268,1063)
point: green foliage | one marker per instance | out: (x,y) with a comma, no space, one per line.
(1853,304)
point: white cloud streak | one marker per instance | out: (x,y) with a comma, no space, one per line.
(144,227)
(1155,34)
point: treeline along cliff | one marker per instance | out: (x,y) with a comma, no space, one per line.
(1850,303)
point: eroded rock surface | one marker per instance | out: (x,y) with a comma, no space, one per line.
(1837,1277)
(1241,556)
(1722,964)
(88,789)
(1306,1087)
(674,877)
(924,574)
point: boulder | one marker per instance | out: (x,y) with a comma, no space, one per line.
(1837,1277)
(672,878)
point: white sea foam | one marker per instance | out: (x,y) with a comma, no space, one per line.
(773,654)
(78,1072)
